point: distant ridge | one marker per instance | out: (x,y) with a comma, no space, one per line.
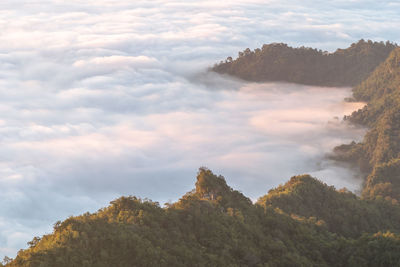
(280,62)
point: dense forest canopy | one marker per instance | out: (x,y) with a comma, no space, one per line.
(301,223)
(378,155)
(280,62)
(215,225)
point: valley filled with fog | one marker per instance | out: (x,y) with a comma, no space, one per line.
(115,99)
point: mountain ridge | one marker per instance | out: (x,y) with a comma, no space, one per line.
(378,154)
(201,230)
(304,65)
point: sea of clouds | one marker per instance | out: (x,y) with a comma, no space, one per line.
(104,98)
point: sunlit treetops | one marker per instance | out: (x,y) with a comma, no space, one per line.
(295,224)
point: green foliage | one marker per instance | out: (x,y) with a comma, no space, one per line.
(215,225)
(378,154)
(382,82)
(307,197)
(279,62)
(384,182)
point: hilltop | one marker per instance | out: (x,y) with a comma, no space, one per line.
(214,225)
(280,62)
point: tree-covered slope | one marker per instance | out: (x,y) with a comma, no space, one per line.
(213,225)
(341,212)
(279,62)
(374,69)
(378,154)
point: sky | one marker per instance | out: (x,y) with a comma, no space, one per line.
(100,99)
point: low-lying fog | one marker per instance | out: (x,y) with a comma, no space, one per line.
(86,146)
(100,99)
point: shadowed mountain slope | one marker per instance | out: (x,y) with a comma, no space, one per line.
(279,62)
(341,211)
(378,155)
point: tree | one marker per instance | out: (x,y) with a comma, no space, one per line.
(7,260)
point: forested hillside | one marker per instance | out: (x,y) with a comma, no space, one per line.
(378,155)
(341,211)
(215,225)
(279,62)
(373,68)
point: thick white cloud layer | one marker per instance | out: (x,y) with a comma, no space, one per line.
(104,98)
